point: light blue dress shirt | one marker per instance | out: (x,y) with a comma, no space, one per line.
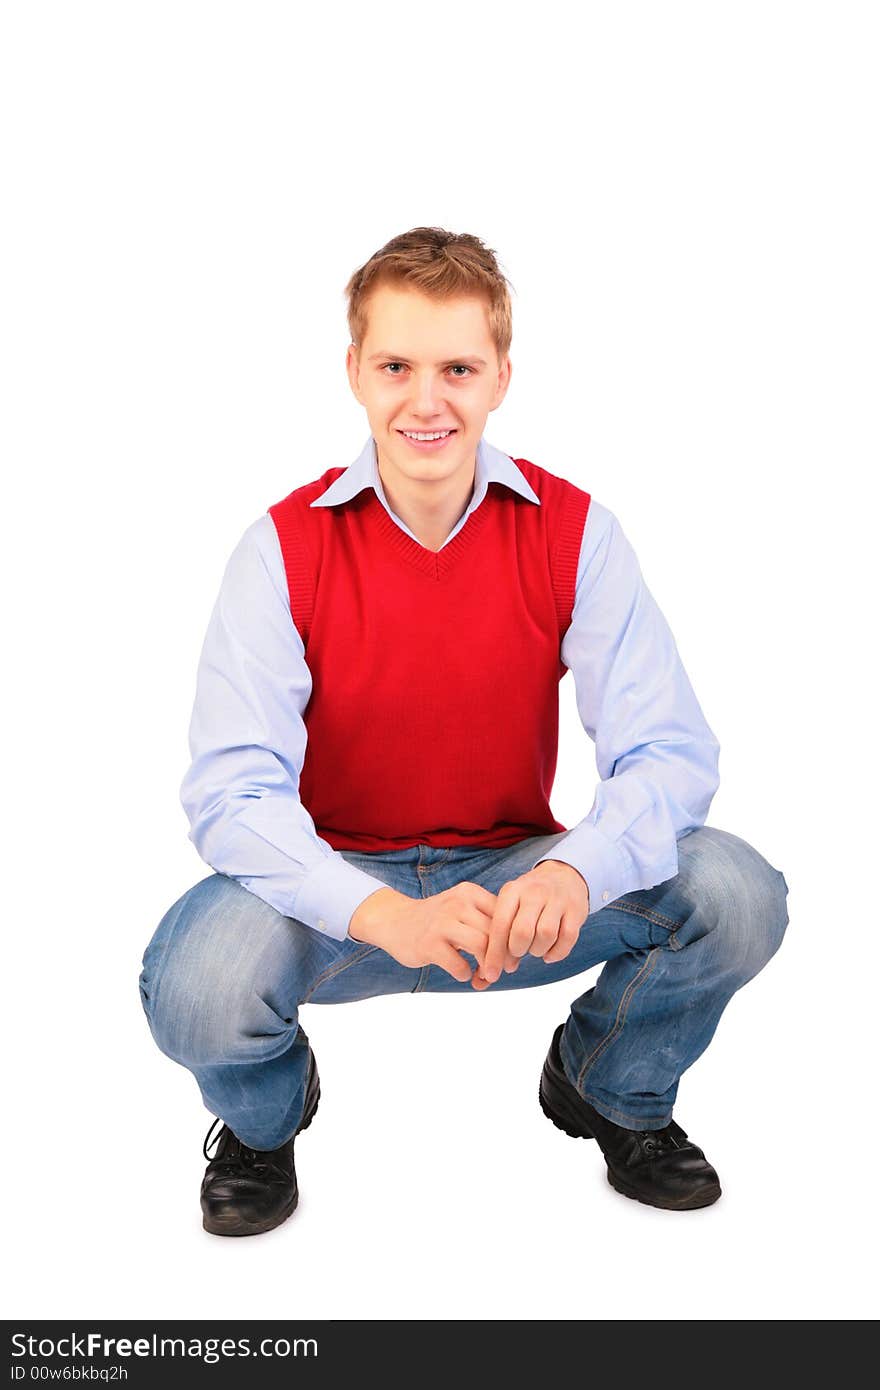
(656,756)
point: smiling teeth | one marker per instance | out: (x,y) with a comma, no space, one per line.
(438,434)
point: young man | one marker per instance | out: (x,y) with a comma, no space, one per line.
(374,741)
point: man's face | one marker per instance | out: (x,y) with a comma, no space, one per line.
(426,366)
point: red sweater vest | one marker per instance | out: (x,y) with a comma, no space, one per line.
(434,712)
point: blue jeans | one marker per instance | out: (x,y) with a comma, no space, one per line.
(225,975)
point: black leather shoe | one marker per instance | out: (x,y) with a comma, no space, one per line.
(660,1167)
(246,1191)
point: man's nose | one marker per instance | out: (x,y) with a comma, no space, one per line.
(427,396)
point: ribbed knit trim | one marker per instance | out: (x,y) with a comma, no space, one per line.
(435,564)
(566,552)
(299,567)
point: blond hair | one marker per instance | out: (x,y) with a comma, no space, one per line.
(440,264)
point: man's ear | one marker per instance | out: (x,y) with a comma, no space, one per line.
(504,374)
(352,367)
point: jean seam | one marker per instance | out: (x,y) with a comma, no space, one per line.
(334,970)
(620,1018)
(636,910)
(432,868)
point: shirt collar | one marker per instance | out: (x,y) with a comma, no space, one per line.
(492,466)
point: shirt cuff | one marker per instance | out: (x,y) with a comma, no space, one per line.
(331,893)
(607,869)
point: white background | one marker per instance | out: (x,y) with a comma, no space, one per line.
(685,199)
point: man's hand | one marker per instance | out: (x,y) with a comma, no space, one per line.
(540,914)
(430,931)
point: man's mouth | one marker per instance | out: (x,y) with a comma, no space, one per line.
(427,439)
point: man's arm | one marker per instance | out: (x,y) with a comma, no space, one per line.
(247,740)
(655,753)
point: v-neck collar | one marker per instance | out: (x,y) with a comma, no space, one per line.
(492,466)
(433,563)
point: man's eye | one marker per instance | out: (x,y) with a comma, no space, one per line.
(456,367)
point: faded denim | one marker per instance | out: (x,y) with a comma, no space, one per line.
(225,975)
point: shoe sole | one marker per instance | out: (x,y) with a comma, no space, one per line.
(560,1111)
(234,1225)
(562,1116)
(704,1198)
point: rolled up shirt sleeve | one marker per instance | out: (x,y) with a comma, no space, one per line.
(655,753)
(247,741)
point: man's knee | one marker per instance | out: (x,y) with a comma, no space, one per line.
(206,984)
(741,895)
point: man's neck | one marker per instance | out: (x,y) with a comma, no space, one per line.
(430,510)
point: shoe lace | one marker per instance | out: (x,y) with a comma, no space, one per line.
(238,1156)
(654,1141)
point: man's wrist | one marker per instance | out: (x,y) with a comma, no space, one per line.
(371,913)
(565,865)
